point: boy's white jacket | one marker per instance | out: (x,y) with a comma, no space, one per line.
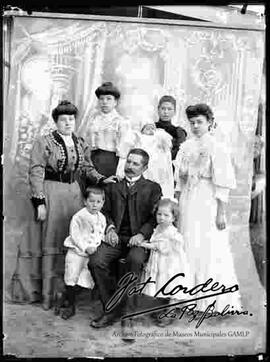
(85,230)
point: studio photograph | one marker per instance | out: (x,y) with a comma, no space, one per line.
(134,181)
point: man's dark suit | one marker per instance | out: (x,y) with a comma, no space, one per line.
(141,200)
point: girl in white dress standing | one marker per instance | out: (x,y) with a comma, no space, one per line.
(204,177)
(167,257)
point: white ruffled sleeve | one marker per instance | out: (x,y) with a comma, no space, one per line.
(222,193)
(223,175)
(121,141)
(180,169)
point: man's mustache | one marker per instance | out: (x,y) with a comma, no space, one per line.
(129,170)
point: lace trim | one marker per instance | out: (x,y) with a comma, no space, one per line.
(38,196)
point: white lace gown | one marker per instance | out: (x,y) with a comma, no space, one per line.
(204,173)
(158,146)
(163,264)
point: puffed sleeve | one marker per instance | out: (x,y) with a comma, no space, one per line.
(38,161)
(181,169)
(121,141)
(88,170)
(223,175)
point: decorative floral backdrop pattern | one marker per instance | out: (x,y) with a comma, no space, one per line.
(53,59)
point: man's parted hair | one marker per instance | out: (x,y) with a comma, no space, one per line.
(141,152)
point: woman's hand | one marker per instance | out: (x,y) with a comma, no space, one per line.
(220,218)
(111,179)
(221,221)
(41,213)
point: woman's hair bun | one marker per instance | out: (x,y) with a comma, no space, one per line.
(107,84)
(64,103)
(64,107)
(107,88)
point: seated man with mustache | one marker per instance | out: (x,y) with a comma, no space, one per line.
(129,210)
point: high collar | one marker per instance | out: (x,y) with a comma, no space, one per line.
(133,179)
(164,123)
(125,190)
(109,115)
(60,137)
(67,139)
(204,138)
(169,229)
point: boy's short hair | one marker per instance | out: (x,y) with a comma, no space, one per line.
(93,190)
(167,98)
(173,206)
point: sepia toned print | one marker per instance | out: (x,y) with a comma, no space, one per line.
(208,311)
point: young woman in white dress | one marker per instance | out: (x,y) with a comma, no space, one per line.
(204,176)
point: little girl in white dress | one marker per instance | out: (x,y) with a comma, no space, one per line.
(167,256)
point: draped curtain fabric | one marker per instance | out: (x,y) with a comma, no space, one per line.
(54,59)
(7,35)
(257,203)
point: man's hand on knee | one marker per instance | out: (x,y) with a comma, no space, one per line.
(91,250)
(136,240)
(111,237)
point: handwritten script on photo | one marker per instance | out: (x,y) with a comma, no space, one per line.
(129,286)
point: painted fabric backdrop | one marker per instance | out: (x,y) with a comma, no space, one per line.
(53,59)
(49,59)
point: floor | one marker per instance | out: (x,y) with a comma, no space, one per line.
(30,331)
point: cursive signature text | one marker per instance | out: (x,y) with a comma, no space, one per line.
(129,286)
